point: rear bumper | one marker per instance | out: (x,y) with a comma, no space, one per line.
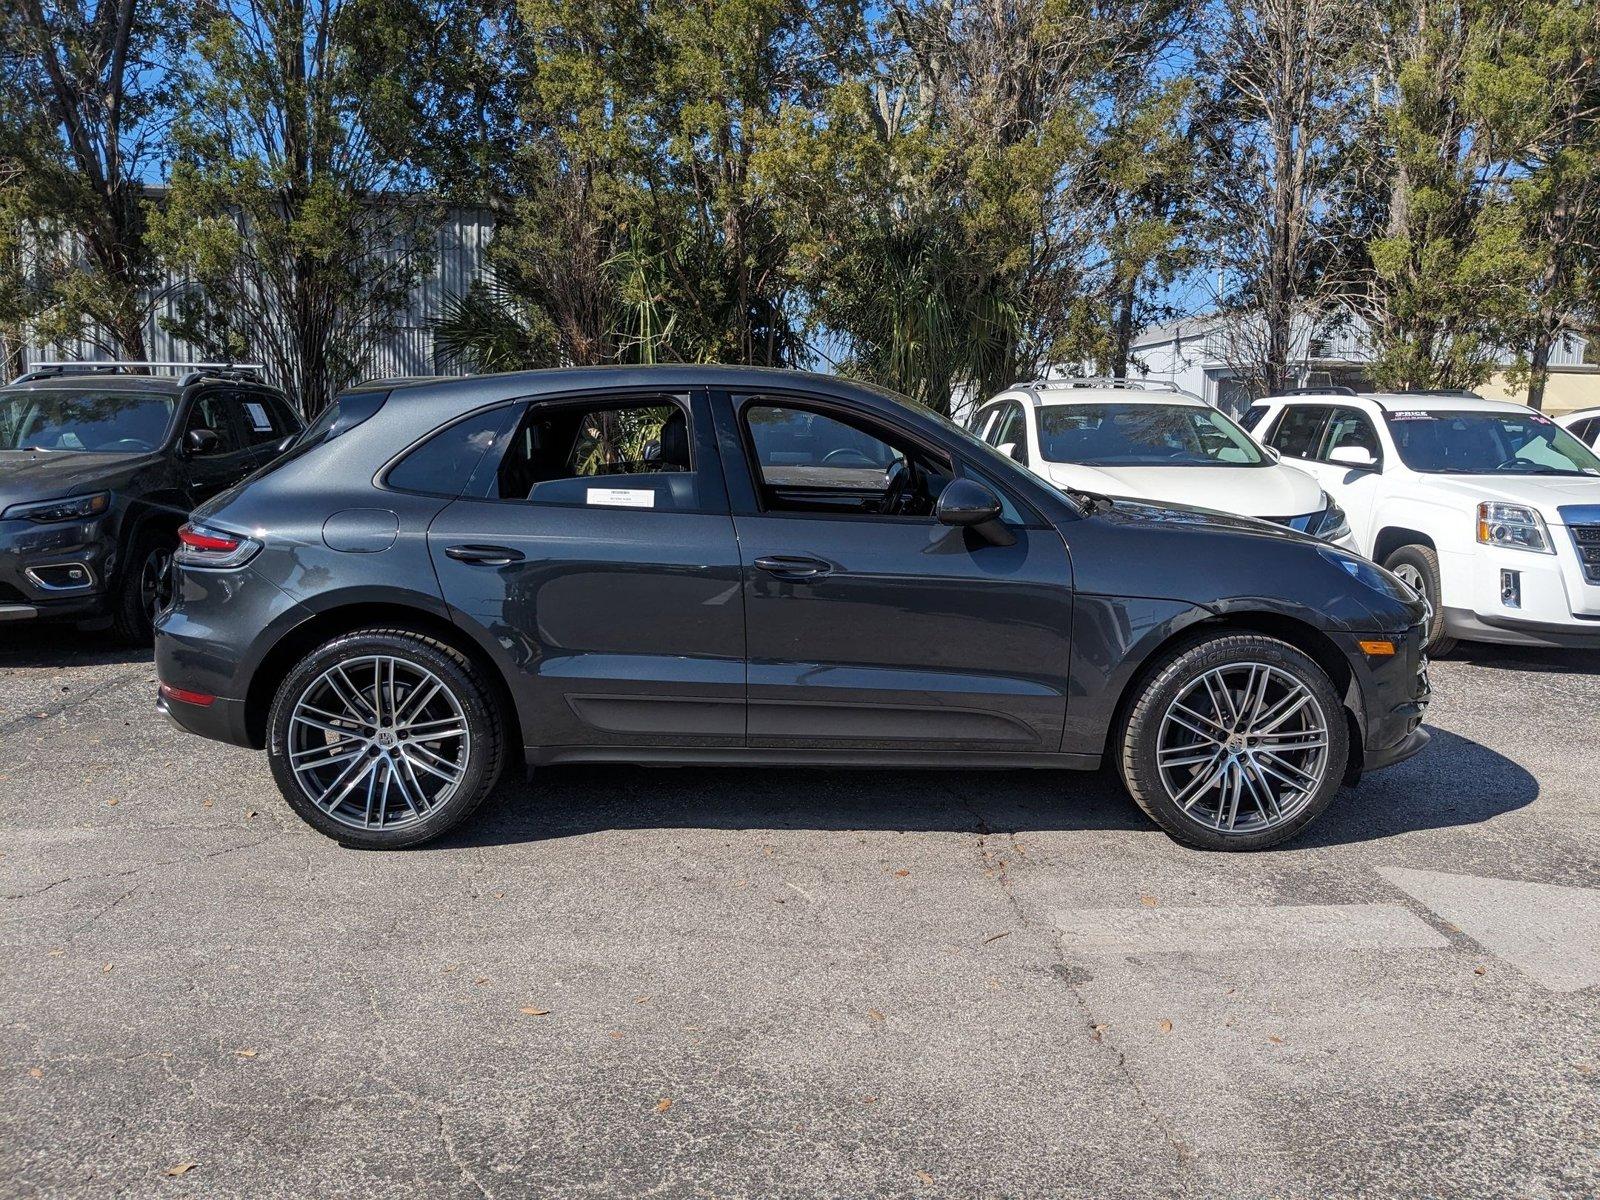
(221,720)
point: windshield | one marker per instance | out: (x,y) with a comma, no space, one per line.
(109,422)
(1454,442)
(1144,435)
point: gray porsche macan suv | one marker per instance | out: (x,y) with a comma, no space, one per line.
(731,565)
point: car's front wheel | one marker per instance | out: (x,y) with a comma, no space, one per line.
(1237,743)
(384,738)
(1418,568)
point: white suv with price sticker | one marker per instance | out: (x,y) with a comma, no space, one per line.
(1488,508)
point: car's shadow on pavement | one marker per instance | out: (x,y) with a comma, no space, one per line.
(1527,658)
(24,645)
(1453,782)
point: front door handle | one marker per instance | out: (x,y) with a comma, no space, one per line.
(484,556)
(794,567)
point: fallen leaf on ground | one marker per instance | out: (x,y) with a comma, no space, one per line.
(874,1014)
(870,1100)
(1479,970)
(113,800)
(182,1168)
(452,967)
(663,1104)
(995,937)
(106,968)
(615,1036)
(534,1012)
(1148,901)
(245,1053)
(207,803)
(481,979)
(1095,1032)
(249,813)
(58,952)
(925,1177)
(642,1000)
(1274,1039)
(35,1072)
(901,873)
(499,895)
(1166,1026)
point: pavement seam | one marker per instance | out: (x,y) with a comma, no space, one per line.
(1184,1154)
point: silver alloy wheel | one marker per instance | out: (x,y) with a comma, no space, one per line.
(378,742)
(1243,748)
(155,582)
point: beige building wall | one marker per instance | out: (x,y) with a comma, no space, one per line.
(1567,389)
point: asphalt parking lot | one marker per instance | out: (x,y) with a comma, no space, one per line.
(623,981)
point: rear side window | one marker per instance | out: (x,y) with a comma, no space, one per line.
(443,465)
(619,454)
(1299,430)
(1252,416)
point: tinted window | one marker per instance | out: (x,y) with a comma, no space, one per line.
(623,454)
(816,462)
(443,465)
(1252,418)
(1012,430)
(215,411)
(264,419)
(1299,430)
(63,420)
(1350,427)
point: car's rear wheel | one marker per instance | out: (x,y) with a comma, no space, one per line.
(1418,568)
(1237,743)
(384,738)
(146,585)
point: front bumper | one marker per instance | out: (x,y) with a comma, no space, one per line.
(1579,633)
(59,570)
(1389,695)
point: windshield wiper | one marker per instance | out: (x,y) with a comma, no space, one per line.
(1090,502)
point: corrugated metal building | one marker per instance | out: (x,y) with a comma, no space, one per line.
(460,257)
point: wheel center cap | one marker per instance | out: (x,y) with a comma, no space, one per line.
(385,737)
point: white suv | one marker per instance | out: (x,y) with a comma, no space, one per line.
(1488,508)
(1154,443)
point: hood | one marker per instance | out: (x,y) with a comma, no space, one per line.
(1547,493)
(1200,519)
(52,474)
(1270,491)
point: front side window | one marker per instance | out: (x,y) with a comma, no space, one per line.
(1010,434)
(1144,435)
(1299,430)
(621,454)
(1253,415)
(808,461)
(1463,442)
(1350,428)
(213,411)
(107,422)
(265,419)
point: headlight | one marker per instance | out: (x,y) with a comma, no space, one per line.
(1330,524)
(73,508)
(1514,526)
(216,549)
(1369,573)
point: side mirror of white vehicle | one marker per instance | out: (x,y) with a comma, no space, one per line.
(1352,456)
(1273,453)
(1009,449)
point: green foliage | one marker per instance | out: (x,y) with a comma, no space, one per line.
(303,237)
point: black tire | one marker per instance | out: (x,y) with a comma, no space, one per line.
(134,607)
(1421,563)
(1165,685)
(480,752)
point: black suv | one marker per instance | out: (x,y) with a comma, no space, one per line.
(731,565)
(98,469)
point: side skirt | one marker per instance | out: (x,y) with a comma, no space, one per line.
(958,760)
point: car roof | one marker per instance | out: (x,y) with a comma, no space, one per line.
(1055,396)
(1403,401)
(98,381)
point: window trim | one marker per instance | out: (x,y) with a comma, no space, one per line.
(627,397)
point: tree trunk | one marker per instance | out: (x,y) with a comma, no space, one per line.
(1540,367)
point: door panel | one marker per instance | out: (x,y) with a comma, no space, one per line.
(621,616)
(916,635)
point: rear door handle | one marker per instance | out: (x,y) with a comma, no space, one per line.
(794,567)
(485,556)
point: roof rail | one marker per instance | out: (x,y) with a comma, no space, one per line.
(194,371)
(1100,381)
(1332,389)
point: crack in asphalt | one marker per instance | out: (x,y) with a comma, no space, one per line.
(1185,1154)
(77,698)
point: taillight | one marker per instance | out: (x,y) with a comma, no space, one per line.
(216,549)
(185,696)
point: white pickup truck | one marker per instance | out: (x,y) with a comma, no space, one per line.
(1488,508)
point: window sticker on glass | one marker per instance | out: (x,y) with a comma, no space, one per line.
(258,416)
(1410,414)
(622,497)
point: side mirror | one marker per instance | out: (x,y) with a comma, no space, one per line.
(1009,449)
(1352,456)
(968,504)
(201,441)
(1273,453)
